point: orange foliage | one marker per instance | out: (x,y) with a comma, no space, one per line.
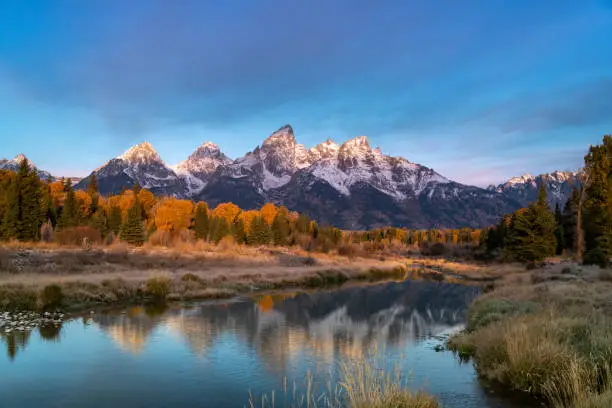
(83,201)
(173,215)
(268,212)
(57,192)
(247,218)
(147,200)
(229,211)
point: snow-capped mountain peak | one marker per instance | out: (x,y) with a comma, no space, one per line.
(326,150)
(141,154)
(13,165)
(20,158)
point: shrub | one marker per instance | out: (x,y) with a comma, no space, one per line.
(78,235)
(190,277)
(159,287)
(595,256)
(51,297)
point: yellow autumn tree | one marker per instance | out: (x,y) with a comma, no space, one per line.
(268,212)
(147,200)
(247,218)
(173,215)
(229,211)
(56,190)
(83,202)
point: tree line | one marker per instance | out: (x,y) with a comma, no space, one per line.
(582,228)
(32,209)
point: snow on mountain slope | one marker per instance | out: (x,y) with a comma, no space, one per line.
(349,185)
(199,166)
(524,189)
(13,165)
(140,164)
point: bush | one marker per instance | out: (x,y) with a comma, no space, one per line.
(159,287)
(595,256)
(51,297)
(78,235)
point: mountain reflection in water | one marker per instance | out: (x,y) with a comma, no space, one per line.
(330,323)
(212,354)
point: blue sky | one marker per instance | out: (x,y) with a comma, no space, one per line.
(479,90)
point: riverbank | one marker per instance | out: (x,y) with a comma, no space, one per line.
(40,277)
(546,332)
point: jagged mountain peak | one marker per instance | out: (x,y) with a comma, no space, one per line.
(359,142)
(283,136)
(141,153)
(21,157)
(527,177)
(207,149)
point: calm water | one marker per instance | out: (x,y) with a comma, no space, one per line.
(212,354)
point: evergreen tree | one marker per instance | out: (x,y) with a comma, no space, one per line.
(239,232)
(29,206)
(531,235)
(10,219)
(303,224)
(221,229)
(559,230)
(132,231)
(259,232)
(115,220)
(569,221)
(49,210)
(280,228)
(92,186)
(69,217)
(202,221)
(597,204)
(100,222)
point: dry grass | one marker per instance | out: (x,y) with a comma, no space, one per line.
(549,336)
(362,384)
(215,271)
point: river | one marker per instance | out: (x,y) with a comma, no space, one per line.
(212,354)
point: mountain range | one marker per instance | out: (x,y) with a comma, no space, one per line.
(350,185)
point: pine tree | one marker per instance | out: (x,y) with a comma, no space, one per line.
(132,231)
(49,210)
(239,232)
(92,186)
(99,222)
(280,228)
(69,214)
(259,232)
(569,221)
(29,205)
(115,220)
(10,219)
(202,221)
(303,224)
(531,235)
(597,204)
(221,229)
(559,230)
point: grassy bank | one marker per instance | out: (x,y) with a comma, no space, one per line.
(46,276)
(546,332)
